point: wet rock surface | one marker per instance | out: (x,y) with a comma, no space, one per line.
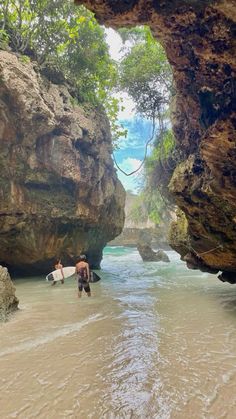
(199,39)
(149,255)
(8,300)
(59,193)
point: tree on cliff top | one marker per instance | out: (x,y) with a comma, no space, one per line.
(58,34)
(145,73)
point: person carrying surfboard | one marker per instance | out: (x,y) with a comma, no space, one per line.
(83,275)
(58,265)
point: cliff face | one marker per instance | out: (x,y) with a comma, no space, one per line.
(8,300)
(59,193)
(199,39)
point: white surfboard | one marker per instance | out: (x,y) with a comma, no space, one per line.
(57,274)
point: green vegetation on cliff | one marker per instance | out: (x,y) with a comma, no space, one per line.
(145,72)
(68,44)
(146,75)
(148,206)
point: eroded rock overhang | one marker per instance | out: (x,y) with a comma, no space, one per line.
(199,39)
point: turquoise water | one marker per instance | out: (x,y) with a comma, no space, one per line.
(155,340)
(116,251)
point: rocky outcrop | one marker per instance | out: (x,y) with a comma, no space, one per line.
(180,241)
(8,300)
(130,237)
(199,39)
(59,193)
(134,229)
(149,255)
(145,250)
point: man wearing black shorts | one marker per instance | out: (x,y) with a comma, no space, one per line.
(83,275)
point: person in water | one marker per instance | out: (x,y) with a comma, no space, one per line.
(58,265)
(83,275)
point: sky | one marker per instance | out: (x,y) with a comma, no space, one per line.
(132,148)
(131,151)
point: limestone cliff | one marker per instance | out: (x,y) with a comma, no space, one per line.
(8,300)
(199,39)
(59,193)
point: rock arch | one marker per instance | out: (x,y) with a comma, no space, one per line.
(199,39)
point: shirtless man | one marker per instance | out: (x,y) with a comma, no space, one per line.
(83,275)
(58,265)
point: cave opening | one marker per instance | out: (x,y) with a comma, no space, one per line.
(199,45)
(202,63)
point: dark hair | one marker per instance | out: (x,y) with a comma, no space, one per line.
(57,261)
(82,258)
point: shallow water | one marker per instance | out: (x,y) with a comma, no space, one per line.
(155,340)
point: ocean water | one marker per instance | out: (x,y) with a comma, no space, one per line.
(155,340)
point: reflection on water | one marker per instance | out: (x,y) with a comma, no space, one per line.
(155,341)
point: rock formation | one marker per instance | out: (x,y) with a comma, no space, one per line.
(133,229)
(59,193)
(130,237)
(199,39)
(149,255)
(8,300)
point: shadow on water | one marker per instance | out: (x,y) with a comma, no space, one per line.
(223,294)
(227,300)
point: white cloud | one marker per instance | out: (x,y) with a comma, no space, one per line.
(128,104)
(115,43)
(139,131)
(130,182)
(131,164)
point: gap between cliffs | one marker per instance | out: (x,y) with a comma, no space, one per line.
(199,39)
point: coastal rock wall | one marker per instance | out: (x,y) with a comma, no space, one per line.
(59,193)
(199,39)
(8,300)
